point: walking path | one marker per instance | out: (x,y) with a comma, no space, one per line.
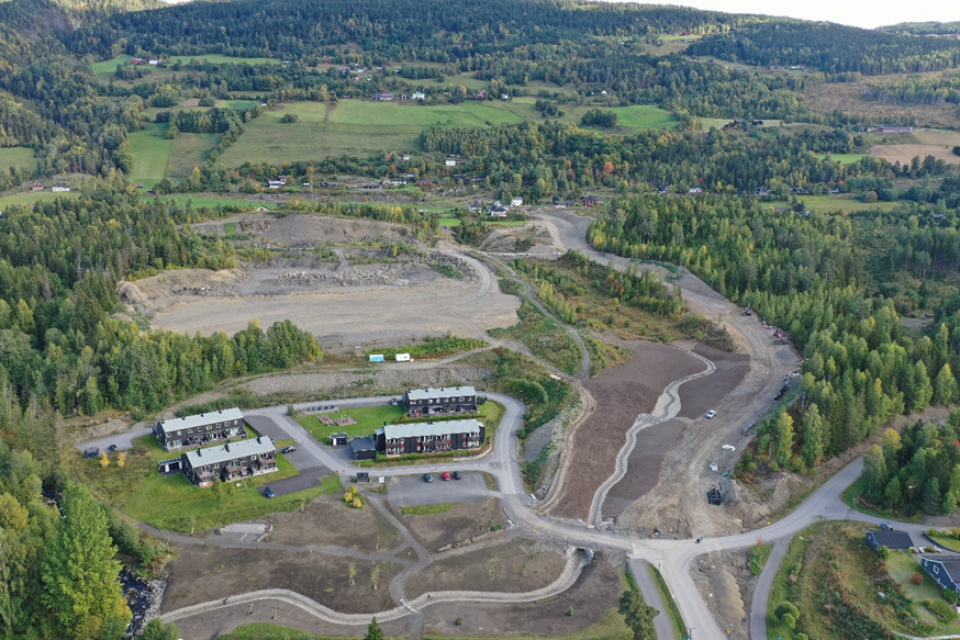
(661,622)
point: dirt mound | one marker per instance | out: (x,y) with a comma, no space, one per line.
(300,229)
(727,587)
(190,282)
(533,238)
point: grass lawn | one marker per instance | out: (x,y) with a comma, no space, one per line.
(210,201)
(902,567)
(151,155)
(173,503)
(369,419)
(109,66)
(757,557)
(18,157)
(946,542)
(29,197)
(314,112)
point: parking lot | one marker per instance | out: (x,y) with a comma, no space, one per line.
(413,491)
(309,477)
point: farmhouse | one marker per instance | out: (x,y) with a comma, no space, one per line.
(383,97)
(36,187)
(429,437)
(60,188)
(889,539)
(230,461)
(945,571)
(516,202)
(498,211)
(197,430)
(418,95)
(450,162)
(442,401)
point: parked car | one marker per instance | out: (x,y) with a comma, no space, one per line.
(268,492)
(92,452)
(729,447)
(289,449)
(112,447)
(885,526)
(445,476)
(456,475)
(428,477)
(711,413)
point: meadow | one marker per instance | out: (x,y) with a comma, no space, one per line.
(151,155)
(30,197)
(19,157)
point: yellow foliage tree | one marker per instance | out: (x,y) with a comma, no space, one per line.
(121,459)
(104,460)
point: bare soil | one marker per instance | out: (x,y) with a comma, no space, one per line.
(596,592)
(533,239)
(621,394)
(359,529)
(727,586)
(203,573)
(515,566)
(341,303)
(457,527)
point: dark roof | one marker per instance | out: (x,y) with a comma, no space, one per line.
(362,444)
(892,539)
(338,435)
(951,565)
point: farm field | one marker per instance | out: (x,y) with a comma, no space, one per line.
(19,157)
(189,150)
(843,158)
(360,128)
(217,58)
(151,155)
(29,197)
(905,153)
(843,204)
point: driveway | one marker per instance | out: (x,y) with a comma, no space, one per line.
(124,441)
(309,477)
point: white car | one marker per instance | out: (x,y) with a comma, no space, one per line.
(711,413)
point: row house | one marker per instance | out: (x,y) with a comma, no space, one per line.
(201,429)
(230,461)
(429,437)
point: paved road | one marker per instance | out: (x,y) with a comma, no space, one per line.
(123,441)
(661,622)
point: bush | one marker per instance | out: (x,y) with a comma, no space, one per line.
(916,578)
(785,608)
(943,611)
(788,621)
(951,596)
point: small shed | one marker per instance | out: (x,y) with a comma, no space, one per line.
(889,539)
(363,448)
(363,476)
(172,465)
(338,439)
(402,357)
(376,357)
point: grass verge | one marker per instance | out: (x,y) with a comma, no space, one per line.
(544,337)
(426,509)
(672,609)
(757,557)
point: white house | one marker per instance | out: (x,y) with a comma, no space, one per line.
(153,63)
(516,202)
(450,162)
(418,95)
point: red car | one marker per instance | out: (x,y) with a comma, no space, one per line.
(446,475)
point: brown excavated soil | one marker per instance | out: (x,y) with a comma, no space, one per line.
(726,585)
(621,394)
(203,573)
(357,529)
(464,521)
(654,443)
(596,592)
(515,566)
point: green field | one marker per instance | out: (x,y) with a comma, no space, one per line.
(19,157)
(109,66)
(216,58)
(843,158)
(188,151)
(151,155)
(360,128)
(213,201)
(239,105)
(842,204)
(29,197)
